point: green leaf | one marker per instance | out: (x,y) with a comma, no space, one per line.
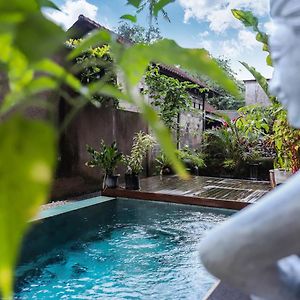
(135,3)
(269,60)
(48,3)
(158,6)
(246,17)
(135,61)
(24,7)
(107,90)
(50,67)
(131,18)
(38,37)
(27,148)
(97,38)
(40,84)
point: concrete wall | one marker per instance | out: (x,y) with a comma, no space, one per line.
(89,127)
(191,128)
(254,94)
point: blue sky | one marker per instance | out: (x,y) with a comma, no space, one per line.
(194,24)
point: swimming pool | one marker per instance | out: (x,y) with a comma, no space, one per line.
(119,249)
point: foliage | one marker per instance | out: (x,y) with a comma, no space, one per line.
(191,157)
(163,164)
(231,146)
(95,64)
(28,42)
(169,95)
(138,34)
(224,100)
(284,138)
(256,119)
(142,142)
(287,143)
(27,159)
(107,157)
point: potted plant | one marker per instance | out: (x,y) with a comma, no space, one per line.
(142,142)
(107,158)
(163,165)
(193,161)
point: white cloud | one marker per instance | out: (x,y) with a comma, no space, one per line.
(269,27)
(247,39)
(229,49)
(218,12)
(234,48)
(70,11)
(203,34)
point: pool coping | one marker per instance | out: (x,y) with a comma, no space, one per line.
(190,200)
(69,207)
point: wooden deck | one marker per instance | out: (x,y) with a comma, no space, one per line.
(204,191)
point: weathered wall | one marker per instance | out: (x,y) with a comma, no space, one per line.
(254,94)
(89,127)
(191,128)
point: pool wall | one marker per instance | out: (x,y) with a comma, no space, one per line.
(56,226)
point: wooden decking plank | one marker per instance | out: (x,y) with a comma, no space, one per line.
(207,191)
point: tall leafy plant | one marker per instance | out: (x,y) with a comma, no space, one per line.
(142,142)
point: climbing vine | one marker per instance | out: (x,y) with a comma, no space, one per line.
(169,95)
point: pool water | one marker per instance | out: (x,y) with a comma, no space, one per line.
(147,251)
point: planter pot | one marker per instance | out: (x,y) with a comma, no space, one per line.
(166,171)
(279,176)
(111,181)
(132,182)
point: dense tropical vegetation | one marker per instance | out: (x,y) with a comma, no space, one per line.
(31,78)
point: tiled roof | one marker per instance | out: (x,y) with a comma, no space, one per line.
(182,74)
(209,108)
(84,25)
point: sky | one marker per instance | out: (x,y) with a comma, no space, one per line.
(205,24)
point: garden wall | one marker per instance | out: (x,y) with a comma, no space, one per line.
(89,127)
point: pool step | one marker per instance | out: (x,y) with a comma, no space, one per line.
(223,292)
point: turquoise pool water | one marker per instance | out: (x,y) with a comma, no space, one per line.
(147,251)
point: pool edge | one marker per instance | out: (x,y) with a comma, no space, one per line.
(69,207)
(140,195)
